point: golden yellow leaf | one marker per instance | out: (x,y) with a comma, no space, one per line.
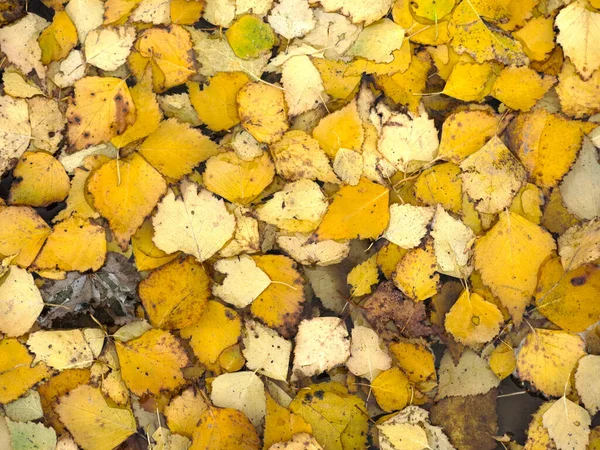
(338,419)
(537,37)
(389,257)
(219,327)
(509,257)
(183,411)
(470,82)
(416,273)
(168,52)
(521,87)
(569,299)
(94,423)
(74,244)
(281,424)
(472,320)
(359,211)
(392,390)
(528,202)
(363,276)
(117,11)
(22,233)
(16,373)
(279,306)
(224,428)
(77,201)
(147,255)
(547,359)
(337,83)
(342,128)
(263,111)
(175,148)
(537,435)
(29,188)
(175,295)
(125,192)
(152,363)
(503,361)
(431,9)
(58,39)
(102,108)
(216,102)
(186,12)
(237,180)
(415,359)
(440,184)
(547,144)
(147,118)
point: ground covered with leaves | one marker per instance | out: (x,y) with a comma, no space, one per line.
(293,225)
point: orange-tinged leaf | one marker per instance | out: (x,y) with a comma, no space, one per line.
(537,37)
(359,211)
(74,244)
(224,428)
(237,180)
(280,305)
(102,108)
(58,39)
(175,295)
(415,359)
(125,192)
(219,327)
(175,148)
(29,188)
(263,111)
(416,273)
(22,233)
(152,363)
(216,103)
(94,423)
(16,373)
(340,129)
(392,390)
(509,257)
(183,411)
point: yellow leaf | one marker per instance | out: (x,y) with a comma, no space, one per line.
(338,419)
(392,390)
(20,301)
(492,176)
(183,411)
(578,98)
(29,188)
(404,87)
(509,257)
(556,218)
(216,102)
(431,9)
(58,39)
(94,424)
(237,180)
(22,233)
(125,192)
(537,37)
(547,359)
(359,211)
(537,435)
(547,144)
(389,257)
(342,128)
(297,155)
(338,84)
(483,42)
(569,299)
(249,37)
(440,184)
(363,276)
(175,148)
(77,201)
(568,424)
(117,11)
(472,320)
(377,41)
(74,244)
(528,202)
(415,359)
(401,62)
(102,108)
(263,111)
(198,223)
(175,295)
(168,51)
(521,87)
(66,349)
(279,306)
(281,425)
(219,327)
(16,373)
(186,12)
(426,34)
(403,436)
(416,273)
(470,82)
(147,255)
(152,363)
(503,361)
(147,118)
(224,428)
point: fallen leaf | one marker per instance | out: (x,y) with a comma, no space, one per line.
(244,281)
(22,233)
(183,411)
(282,425)
(568,424)
(108,48)
(392,390)
(408,224)
(20,302)
(585,384)
(579,244)
(15,131)
(243,391)
(265,351)
(263,112)
(363,276)
(367,359)
(224,428)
